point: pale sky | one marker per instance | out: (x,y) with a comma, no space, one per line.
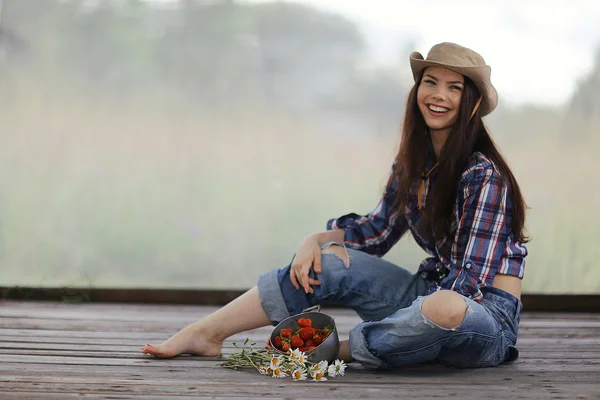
(537,49)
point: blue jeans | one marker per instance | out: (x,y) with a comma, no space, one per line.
(389,299)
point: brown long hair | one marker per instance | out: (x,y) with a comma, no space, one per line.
(468,135)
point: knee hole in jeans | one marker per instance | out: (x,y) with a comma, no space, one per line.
(445,308)
(340,252)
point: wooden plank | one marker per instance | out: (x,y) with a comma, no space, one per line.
(92,350)
(355,375)
(525,345)
(562,358)
(135,346)
(99,334)
(118,315)
(567,346)
(554,352)
(465,395)
(117,346)
(90,344)
(322,390)
(162,328)
(140,338)
(170,320)
(85,323)
(254,379)
(167,313)
(117,309)
(531,302)
(61,395)
(583,366)
(153,309)
(129,295)
(193,311)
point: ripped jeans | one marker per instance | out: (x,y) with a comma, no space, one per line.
(389,299)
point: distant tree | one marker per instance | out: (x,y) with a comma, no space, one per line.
(304,53)
(215,55)
(584,107)
(291,53)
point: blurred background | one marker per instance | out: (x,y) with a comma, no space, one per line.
(193,144)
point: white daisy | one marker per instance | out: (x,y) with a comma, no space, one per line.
(319,376)
(279,373)
(320,367)
(337,369)
(299,375)
(265,370)
(298,356)
(275,362)
(323,365)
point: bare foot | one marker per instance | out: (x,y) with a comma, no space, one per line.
(192,339)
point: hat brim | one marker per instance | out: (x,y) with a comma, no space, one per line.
(480,76)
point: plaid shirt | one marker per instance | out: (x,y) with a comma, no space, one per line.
(483,245)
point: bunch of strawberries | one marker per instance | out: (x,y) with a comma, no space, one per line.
(304,338)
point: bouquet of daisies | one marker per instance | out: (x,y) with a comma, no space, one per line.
(294,363)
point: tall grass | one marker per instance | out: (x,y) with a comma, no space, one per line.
(152,195)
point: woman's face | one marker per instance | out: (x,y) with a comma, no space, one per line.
(439,97)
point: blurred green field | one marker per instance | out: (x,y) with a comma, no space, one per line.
(153,195)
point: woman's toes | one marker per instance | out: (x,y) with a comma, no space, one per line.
(149,349)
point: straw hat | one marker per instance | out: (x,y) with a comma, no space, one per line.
(463,61)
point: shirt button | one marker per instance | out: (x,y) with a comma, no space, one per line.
(468,265)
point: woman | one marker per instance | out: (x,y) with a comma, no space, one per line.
(452,189)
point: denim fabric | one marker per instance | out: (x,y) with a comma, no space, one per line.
(482,245)
(486,337)
(373,287)
(389,299)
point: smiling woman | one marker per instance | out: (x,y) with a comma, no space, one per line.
(453,191)
(438,98)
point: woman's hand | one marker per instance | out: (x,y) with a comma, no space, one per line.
(307,257)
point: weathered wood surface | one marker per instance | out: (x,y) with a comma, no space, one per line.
(62,351)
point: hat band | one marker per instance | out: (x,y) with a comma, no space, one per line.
(476,107)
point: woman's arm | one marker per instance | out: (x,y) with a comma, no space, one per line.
(376,232)
(484,245)
(334,235)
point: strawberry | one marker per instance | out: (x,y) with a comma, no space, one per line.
(311,347)
(297,342)
(304,322)
(303,348)
(306,333)
(285,347)
(317,339)
(286,332)
(277,342)
(309,343)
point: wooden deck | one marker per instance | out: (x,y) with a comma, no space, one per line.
(91,351)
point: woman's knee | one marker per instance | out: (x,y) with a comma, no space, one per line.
(445,308)
(340,252)
(335,269)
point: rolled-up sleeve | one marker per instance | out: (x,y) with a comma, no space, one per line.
(484,243)
(376,232)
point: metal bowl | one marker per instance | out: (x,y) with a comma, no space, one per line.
(326,351)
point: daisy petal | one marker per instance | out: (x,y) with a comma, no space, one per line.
(278,373)
(299,375)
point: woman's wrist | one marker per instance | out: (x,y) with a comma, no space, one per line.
(334,235)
